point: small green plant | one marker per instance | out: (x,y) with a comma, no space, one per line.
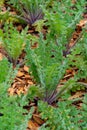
(78,59)
(29,10)
(47,66)
(66,116)
(13,42)
(62,23)
(12,114)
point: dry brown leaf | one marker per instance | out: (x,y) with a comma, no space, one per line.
(30,82)
(13,13)
(20,74)
(20,80)
(73,1)
(19,28)
(83,22)
(11,91)
(27,76)
(67,76)
(26,68)
(76,95)
(37,119)
(19,91)
(68,71)
(33,125)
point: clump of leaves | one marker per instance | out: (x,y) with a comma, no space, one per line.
(47,62)
(29,10)
(47,66)
(66,116)
(12,114)
(13,42)
(60,25)
(62,18)
(78,59)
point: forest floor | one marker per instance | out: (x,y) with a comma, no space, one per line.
(23,80)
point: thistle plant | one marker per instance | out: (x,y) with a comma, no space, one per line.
(78,53)
(47,61)
(47,66)
(13,42)
(12,114)
(66,116)
(30,11)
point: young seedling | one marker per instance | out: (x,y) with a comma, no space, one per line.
(13,42)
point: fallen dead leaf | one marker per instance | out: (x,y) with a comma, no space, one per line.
(77,95)
(20,74)
(33,125)
(11,91)
(30,82)
(26,68)
(20,80)
(37,119)
(27,76)
(83,22)
(19,28)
